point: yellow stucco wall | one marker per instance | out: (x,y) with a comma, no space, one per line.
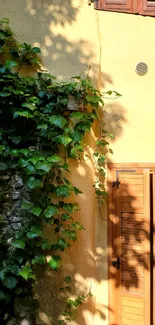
(73,36)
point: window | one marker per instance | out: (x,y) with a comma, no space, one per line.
(142,7)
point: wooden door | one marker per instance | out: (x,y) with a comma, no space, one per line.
(117,5)
(129,248)
(146,7)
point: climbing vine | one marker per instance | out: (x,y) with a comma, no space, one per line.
(42,128)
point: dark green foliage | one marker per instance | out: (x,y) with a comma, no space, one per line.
(40,128)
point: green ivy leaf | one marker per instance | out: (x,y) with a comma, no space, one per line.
(71,207)
(65,216)
(23,113)
(1,44)
(27,273)
(62,244)
(40,259)
(18,243)
(77,226)
(4,21)
(71,234)
(64,139)
(2,149)
(30,170)
(73,153)
(58,121)
(36,159)
(77,136)
(101,159)
(36,50)
(17,92)
(36,211)
(2,35)
(42,127)
(67,279)
(15,139)
(50,211)
(23,162)
(25,152)
(46,245)
(11,64)
(78,115)
(32,107)
(34,183)
(76,77)
(4,93)
(111,135)
(55,262)
(84,126)
(65,166)
(42,94)
(64,101)
(34,61)
(54,159)
(76,191)
(93,99)
(2,274)
(26,205)
(44,166)
(34,232)
(19,257)
(13,268)
(14,152)
(34,100)
(10,282)
(63,191)
(18,234)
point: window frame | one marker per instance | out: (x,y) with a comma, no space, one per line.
(141,7)
(146,9)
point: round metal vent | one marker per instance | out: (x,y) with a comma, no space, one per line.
(141,68)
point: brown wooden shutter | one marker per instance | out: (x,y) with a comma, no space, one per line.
(129,239)
(146,7)
(129,6)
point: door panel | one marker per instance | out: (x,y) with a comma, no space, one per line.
(130,231)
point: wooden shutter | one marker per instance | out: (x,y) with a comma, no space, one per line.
(129,239)
(129,6)
(146,7)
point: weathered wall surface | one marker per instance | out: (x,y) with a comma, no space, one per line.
(72,37)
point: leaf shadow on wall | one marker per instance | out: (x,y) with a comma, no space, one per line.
(49,25)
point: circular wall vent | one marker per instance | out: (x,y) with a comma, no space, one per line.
(141,68)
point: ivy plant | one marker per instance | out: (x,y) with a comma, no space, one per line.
(43,124)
